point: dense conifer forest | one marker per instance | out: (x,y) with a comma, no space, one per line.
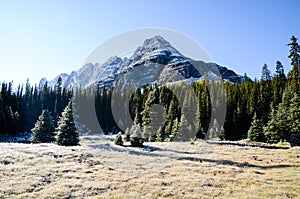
(265,109)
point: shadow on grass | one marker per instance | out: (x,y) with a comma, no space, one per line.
(245,144)
(177,155)
(238,164)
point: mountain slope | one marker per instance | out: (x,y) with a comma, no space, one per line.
(154,61)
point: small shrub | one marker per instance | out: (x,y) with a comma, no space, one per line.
(152,138)
(119,140)
(136,141)
(127,136)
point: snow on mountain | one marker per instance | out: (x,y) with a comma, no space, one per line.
(154,49)
(155,61)
(65,77)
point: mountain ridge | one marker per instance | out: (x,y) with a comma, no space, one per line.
(154,61)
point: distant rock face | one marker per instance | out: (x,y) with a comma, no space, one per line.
(155,61)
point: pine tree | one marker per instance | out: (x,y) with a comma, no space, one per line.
(169,128)
(294,75)
(283,112)
(159,135)
(222,135)
(294,115)
(271,130)
(127,135)
(44,129)
(266,73)
(182,135)
(152,138)
(172,114)
(278,83)
(279,72)
(119,140)
(147,130)
(215,130)
(66,131)
(175,128)
(58,98)
(198,126)
(136,139)
(255,132)
(266,94)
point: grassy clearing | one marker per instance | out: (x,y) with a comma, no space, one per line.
(100,169)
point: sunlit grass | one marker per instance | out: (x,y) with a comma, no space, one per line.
(99,169)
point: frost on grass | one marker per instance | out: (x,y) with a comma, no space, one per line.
(100,169)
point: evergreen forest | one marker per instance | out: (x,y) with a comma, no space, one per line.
(263,110)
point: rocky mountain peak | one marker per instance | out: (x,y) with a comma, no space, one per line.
(158,43)
(155,47)
(154,61)
(115,60)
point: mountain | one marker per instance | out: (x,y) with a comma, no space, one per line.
(156,61)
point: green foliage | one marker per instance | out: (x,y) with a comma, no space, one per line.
(222,135)
(147,132)
(152,138)
(215,130)
(294,75)
(266,73)
(255,132)
(271,131)
(294,115)
(159,135)
(175,128)
(282,122)
(119,139)
(66,131)
(198,126)
(136,139)
(127,135)
(183,130)
(20,110)
(44,129)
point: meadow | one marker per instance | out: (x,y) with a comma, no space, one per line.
(99,169)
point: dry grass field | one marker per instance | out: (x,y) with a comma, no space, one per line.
(100,169)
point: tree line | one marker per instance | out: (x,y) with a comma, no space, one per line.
(262,110)
(19,109)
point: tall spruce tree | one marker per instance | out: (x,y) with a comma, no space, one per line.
(255,132)
(278,83)
(294,75)
(44,129)
(266,94)
(283,112)
(266,73)
(271,130)
(294,116)
(182,134)
(198,126)
(175,128)
(67,134)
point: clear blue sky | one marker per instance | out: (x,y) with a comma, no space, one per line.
(44,38)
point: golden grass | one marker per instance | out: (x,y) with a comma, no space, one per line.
(99,169)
